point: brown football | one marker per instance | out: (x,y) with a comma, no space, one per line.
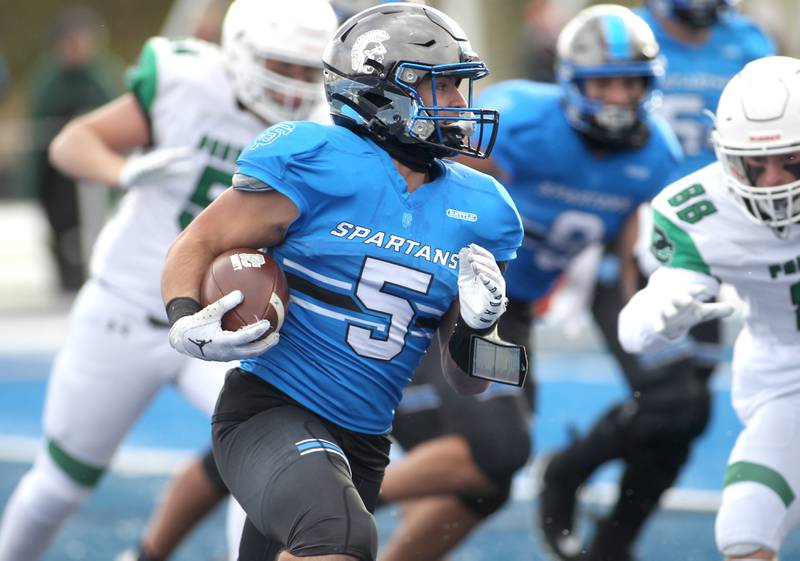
(257,275)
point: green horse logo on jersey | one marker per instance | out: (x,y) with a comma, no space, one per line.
(663,249)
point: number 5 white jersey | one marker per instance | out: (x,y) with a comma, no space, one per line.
(698,226)
(183,88)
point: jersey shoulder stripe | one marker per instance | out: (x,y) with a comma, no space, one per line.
(142,79)
(680,214)
(674,247)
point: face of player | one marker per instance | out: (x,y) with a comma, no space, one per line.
(770,171)
(625,91)
(302,73)
(448,93)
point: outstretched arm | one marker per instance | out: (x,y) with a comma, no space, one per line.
(94,146)
(672,302)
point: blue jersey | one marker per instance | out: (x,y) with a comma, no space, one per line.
(567,195)
(372,268)
(696,75)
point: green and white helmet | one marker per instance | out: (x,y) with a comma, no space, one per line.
(255,31)
(757,139)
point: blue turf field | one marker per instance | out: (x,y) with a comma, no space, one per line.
(573,389)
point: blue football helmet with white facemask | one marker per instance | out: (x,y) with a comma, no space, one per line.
(608,41)
(374,67)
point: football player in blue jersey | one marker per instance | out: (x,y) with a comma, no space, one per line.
(578,158)
(705,42)
(384,244)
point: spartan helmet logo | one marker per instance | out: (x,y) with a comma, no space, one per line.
(368,46)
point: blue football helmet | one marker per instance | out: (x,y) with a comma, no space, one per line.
(376,62)
(608,41)
(695,13)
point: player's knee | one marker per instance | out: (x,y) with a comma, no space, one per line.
(749,520)
(56,460)
(327,516)
(349,531)
(485,505)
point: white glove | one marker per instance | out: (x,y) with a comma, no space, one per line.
(683,311)
(481,287)
(201,335)
(158,163)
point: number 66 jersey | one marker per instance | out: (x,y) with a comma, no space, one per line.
(183,89)
(699,226)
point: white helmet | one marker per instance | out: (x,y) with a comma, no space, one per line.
(758,118)
(294,32)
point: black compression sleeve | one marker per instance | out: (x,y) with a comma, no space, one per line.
(460,341)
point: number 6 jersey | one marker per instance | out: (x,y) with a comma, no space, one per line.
(372,268)
(184,91)
(699,226)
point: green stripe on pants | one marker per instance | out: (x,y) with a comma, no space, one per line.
(747,471)
(81,472)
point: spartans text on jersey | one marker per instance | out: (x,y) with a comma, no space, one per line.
(398,244)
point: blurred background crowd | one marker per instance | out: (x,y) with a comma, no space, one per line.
(59,59)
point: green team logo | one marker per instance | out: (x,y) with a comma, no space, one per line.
(663,249)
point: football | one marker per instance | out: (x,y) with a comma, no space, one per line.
(257,275)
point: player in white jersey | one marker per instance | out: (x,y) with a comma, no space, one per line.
(736,221)
(191,108)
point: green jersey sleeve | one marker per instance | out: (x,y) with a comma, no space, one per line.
(142,79)
(674,247)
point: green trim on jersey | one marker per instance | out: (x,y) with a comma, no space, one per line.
(77,470)
(674,247)
(757,473)
(142,79)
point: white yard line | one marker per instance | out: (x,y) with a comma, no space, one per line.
(140,461)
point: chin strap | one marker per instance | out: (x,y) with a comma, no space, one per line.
(417,157)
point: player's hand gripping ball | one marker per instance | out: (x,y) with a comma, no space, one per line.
(261,281)
(245,297)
